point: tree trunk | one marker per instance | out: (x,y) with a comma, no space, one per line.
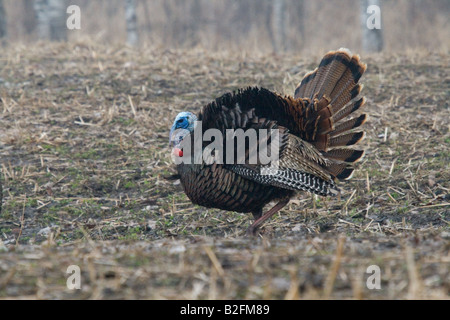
(279,25)
(57,20)
(131,21)
(148,25)
(194,22)
(1,193)
(42,26)
(2,22)
(29,17)
(51,19)
(372,34)
(301,20)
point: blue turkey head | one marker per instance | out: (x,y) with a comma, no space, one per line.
(182,126)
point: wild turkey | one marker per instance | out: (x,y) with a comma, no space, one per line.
(313,140)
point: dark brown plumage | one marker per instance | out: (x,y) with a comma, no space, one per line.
(314,137)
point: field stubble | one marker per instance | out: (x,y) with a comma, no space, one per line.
(85,168)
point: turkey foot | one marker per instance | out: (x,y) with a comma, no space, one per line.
(258,222)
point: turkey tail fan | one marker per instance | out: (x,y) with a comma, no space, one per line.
(337,75)
(331,91)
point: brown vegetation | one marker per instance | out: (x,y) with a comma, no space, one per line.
(85,160)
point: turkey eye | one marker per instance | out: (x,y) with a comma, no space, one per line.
(180,121)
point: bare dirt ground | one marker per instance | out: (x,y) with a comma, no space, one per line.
(84,158)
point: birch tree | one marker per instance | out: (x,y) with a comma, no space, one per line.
(372,32)
(57,20)
(1,193)
(2,22)
(279,25)
(42,26)
(131,21)
(51,19)
(29,17)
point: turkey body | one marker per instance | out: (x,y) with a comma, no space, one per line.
(314,138)
(233,193)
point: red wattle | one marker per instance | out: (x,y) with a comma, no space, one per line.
(177,152)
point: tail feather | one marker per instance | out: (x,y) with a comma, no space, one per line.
(349,79)
(330,72)
(331,91)
(347,110)
(305,85)
(336,72)
(341,171)
(348,125)
(341,100)
(345,155)
(347,139)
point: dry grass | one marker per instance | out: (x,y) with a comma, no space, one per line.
(84,159)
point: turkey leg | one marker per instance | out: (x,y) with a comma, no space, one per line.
(258,222)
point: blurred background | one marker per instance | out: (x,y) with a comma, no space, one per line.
(247,25)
